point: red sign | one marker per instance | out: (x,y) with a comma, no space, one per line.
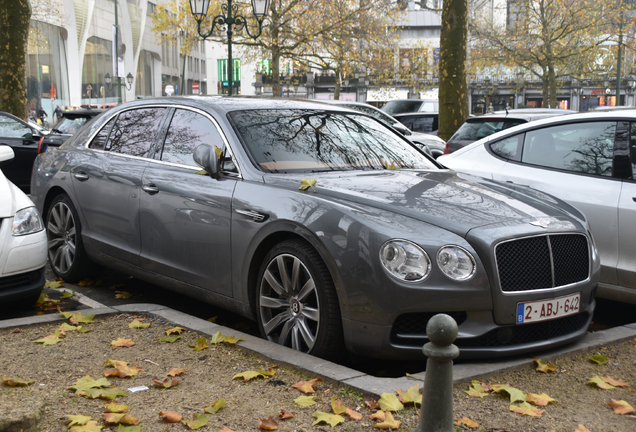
(89,88)
(52,92)
(195,87)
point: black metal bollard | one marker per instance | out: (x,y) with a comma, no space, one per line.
(436,414)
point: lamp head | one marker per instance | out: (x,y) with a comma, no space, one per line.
(107,78)
(199,9)
(260,8)
(129,78)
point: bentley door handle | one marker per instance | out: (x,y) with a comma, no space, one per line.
(150,189)
(81,176)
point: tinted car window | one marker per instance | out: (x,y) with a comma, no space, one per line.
(309,141)
(384,118)
(509,148)
(134,131)
(101,138)
(580,147)
(188,130)
(394,107)
(419,123)
(70,125)
(9,128)
(477,129)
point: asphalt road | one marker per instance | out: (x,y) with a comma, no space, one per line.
(106,287)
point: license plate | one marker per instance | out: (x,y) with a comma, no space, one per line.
(544,310)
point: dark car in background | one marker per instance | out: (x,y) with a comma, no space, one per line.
(70,123)
(24,139)
(399,106)
(420,122)
(476,128)
(328,228)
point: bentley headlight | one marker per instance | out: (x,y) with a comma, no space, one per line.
(456,262)
(405,260)
(27,221)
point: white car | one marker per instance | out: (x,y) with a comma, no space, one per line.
(587,159)
(23,245)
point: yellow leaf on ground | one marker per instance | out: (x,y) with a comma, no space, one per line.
(175,372)
(77,420)
(599,359)
(516,395)
(177,330)
(16,382)
(115,408)
(411,396)
(388,423)
(543,366)
(198,421)
(86,282)
(539,399)
(49,340)
(121,342)
(390,402)
(268,424)
(115,418)
(91,426)
(200,344)
(582,428)
(600,383)
(526,409)
(477,389)
(216,406)
(54,284)
(122,295)
(137,324)
(248,375)
(122,368)
(305,401)
(170,417)
(338,406)
(621,407)
(169,339)
(306,386)
(465,421)
(378,415)
(331,419)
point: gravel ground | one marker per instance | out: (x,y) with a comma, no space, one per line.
(209,372)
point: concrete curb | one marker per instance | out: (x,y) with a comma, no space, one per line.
(325,369)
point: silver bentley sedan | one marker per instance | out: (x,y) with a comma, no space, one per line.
(332,231)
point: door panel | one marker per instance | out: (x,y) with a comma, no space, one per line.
(185,214)
(627,235)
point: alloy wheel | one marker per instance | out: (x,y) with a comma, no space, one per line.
(62,237)
(289,304)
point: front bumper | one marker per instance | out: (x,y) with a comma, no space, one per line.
(478,337)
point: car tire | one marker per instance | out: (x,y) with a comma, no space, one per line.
(66,253)
(296,301)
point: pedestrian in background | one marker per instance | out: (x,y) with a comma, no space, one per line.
(58,113)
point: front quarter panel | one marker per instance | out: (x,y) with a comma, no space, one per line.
(348,237)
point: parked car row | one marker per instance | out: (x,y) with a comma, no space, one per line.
(327,227)
(27,139)
(586,159)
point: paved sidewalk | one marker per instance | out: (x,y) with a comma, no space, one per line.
(324,368)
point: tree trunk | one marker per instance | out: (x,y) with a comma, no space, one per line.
(453,84)
(553,87)
(545,80)
(276,88)
(15,16)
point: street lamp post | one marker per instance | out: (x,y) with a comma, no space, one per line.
(232,20)
(119,84)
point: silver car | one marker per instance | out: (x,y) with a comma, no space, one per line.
(586,159)
(329,229)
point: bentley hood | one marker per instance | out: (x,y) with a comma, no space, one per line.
(454,201)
